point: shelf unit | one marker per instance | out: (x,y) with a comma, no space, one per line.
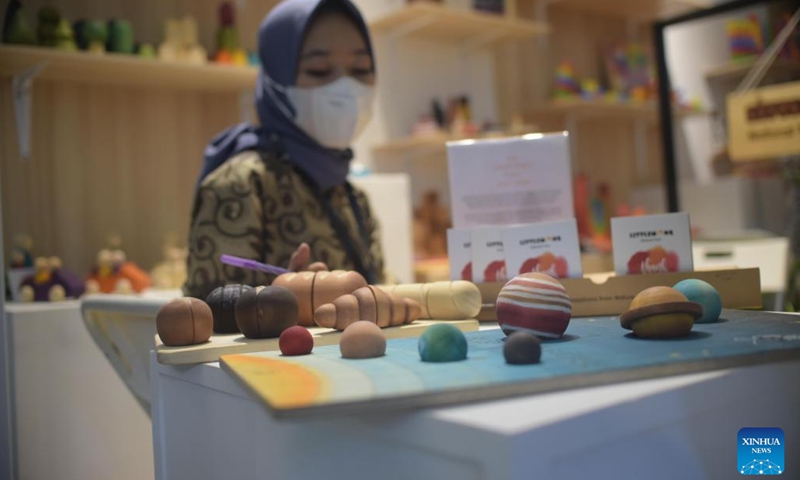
(125,70)
(580,109)
(637,9)
(434,142)
(438,22)
(736,71)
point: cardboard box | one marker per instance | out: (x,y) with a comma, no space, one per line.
(739,288)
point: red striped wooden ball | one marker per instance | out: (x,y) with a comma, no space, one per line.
(534,303)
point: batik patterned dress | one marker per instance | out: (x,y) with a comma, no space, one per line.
(258,206)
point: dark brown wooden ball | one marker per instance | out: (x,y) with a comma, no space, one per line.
(184,321)
(265,312)
(222,301)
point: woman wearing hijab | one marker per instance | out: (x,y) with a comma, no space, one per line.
(277,193)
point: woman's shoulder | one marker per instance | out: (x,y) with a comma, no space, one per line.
(241,169)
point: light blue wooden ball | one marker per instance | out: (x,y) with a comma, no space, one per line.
(703,293)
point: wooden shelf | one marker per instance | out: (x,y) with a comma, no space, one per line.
(432,142)
(736,71)
(476,29)
(580,109)
(638,9)
(127,70)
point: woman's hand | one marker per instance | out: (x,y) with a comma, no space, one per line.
(299,260)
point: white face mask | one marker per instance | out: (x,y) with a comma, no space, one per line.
(333,114)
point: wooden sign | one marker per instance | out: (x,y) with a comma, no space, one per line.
(764,123)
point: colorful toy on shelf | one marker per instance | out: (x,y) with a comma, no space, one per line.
(590,89)
(228,50)
(65,38)
(114,274)
(91,35)
(49,19)
(16,28)
(630,72)
(120,37)
(21,256)
(431,221)
(171,272)
(146,50)
(600,219)
(745,38)
(51,282)
(566,85)
(180,42)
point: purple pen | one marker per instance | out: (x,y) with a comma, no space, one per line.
(252,265)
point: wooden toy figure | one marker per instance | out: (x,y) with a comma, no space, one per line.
(16,29)
(49,19)
(228,50)
(50,282)
(114,274)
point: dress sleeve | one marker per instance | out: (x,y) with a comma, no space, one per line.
(228,218)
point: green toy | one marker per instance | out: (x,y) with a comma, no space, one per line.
(91,35)
(147,51)
(49,19)
(64,37)
(16,29)
(120,37)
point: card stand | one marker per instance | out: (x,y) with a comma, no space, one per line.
(738,288)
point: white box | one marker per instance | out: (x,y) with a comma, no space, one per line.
(459,253)
(652,243)
(488,257)
(552,248)
(510,181)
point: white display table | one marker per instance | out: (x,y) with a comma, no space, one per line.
(206,426)
(72,416)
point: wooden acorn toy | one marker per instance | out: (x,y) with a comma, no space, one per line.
(661,312)
(368,303)
(265,312)
(313,289)
(184,321)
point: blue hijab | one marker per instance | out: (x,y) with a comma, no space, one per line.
(280,39)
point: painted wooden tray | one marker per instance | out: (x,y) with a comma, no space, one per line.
(238,343)
(595,351)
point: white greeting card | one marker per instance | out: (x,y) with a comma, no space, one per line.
(488,258)
(459,253)
(510,181)
(552,248)
(652,244)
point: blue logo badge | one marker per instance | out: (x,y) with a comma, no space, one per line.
(760,451)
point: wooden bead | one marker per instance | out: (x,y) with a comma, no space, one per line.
(184,321)
(222,301)
(265,312)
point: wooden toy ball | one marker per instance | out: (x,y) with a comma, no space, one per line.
(660,312)
(184,321)
(535,303)
(265,312)
(703,293)
(362,339)
(222,301)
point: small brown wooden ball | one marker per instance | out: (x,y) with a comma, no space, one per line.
(184,321)
(265,312)
(222,301)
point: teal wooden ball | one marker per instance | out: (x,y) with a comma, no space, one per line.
(703,293)
(442,343)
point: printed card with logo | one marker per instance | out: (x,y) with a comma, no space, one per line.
(761,451)
(510,181)
(652,244)
(552,248)
(459,253)
(488,256)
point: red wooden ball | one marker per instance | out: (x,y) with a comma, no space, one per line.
(296,340)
